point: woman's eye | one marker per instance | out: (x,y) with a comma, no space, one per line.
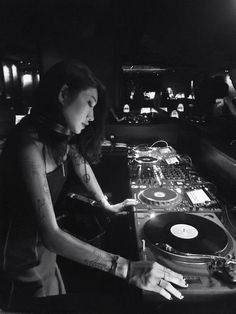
(90,103)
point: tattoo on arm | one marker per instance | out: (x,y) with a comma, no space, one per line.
(86,178)
(76,157)
(40,205)
(100,203)
(45,186)
(33,167)
(97,262)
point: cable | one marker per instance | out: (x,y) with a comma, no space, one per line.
(160,141)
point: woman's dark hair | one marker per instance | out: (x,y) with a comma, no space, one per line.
(78,77)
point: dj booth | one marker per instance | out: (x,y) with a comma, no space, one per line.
(182,223)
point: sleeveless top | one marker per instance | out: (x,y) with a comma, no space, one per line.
(27,267)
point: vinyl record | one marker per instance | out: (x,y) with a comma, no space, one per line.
(146,160)
(186,233)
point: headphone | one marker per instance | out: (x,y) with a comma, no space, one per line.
(52,125)
(58,128)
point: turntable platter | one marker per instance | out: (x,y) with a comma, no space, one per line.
(187,233)
(160,197)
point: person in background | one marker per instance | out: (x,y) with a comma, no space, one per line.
(159,114)
(220,90)
(209,96)
(230,100)
(66,123)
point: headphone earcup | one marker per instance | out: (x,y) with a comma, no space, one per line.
(58,128)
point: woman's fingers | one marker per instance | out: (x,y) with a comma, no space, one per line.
(164,288)
(176,280)
(130,202)
(170,289)
(167,274)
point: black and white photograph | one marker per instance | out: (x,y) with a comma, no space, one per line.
(117,156)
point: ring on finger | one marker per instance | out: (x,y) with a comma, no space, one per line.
(159,282)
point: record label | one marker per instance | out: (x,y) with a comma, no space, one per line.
(159,194)
(184,231)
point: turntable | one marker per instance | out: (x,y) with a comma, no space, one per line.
(187,243)
(160,197)
(142,150)
(187,238)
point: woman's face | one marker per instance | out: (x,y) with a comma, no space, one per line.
(78,110)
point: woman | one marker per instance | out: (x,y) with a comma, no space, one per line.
(33,170)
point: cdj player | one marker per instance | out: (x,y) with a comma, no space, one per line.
(179,221)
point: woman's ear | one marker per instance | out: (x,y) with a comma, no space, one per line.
(63,95)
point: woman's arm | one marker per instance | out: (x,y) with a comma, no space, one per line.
(55,239)
(86,175)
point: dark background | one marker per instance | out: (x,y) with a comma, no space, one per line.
(196,34)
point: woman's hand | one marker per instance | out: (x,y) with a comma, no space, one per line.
(151,276)
(120,208)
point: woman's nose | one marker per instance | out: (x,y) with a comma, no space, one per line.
(91,115)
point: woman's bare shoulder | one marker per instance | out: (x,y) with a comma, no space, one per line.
(27,141)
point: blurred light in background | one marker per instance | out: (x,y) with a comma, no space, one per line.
(7,74)
(27,80)
(232,91)
(14,72)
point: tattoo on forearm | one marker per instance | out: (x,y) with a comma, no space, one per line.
(86,178)
(98,263)
(100,204)
(45,186)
